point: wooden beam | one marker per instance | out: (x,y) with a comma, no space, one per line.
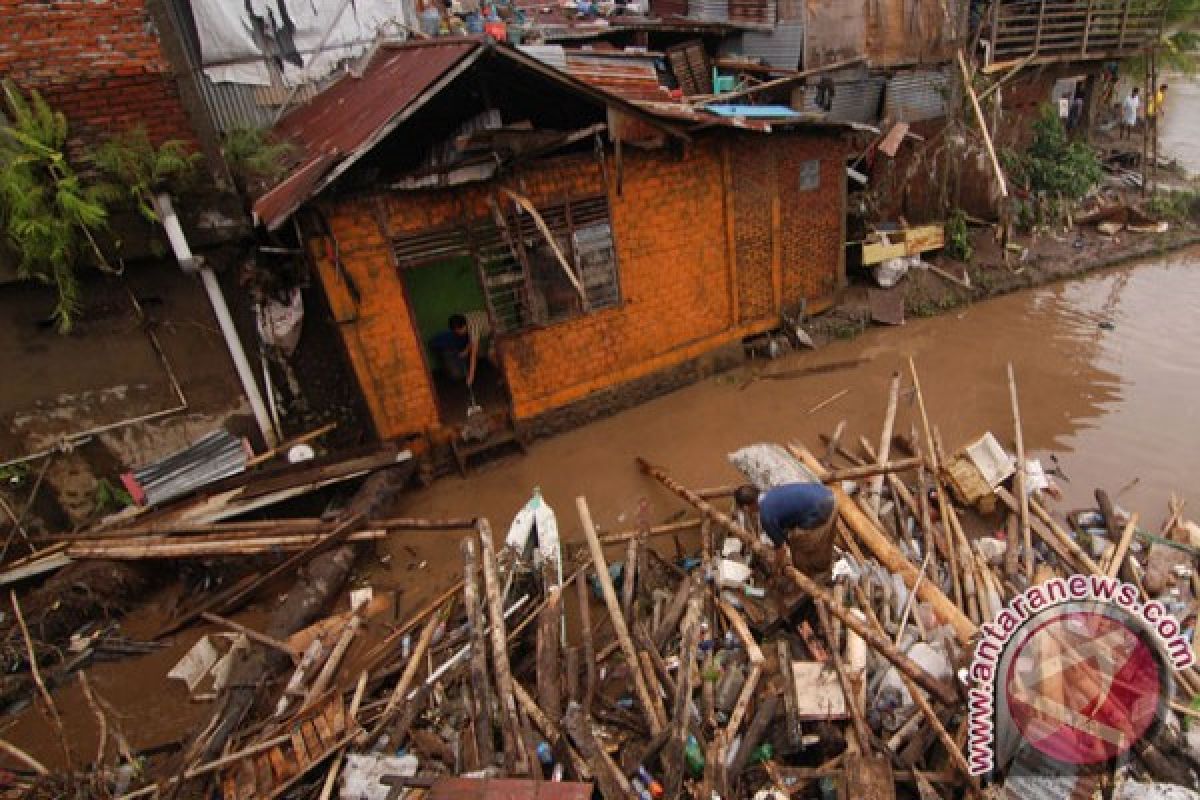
(983,128)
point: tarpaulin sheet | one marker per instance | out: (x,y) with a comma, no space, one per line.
(301,40)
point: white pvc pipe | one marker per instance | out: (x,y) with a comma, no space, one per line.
(183,254)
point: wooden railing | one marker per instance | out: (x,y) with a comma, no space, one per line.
(1071,30)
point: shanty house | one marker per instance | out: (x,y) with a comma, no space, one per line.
(614,246)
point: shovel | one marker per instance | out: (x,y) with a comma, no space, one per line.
(475,428)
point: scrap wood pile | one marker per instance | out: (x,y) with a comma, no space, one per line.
(707,675)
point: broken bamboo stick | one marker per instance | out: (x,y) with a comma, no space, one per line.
(1118,558)
(589,649)
(983,128)
(518,756)
(618,620)
(870,471)
(1022,475)
(885,443)
(481,692)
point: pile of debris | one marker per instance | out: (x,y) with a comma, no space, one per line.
(710,673)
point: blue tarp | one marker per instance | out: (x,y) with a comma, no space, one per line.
(753,112)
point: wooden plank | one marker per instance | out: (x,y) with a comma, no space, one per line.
(299,747)
(481,692)
(312,742)
(868,777)
(323,731)
(263,776)
(335,715)
(818,693)
(281,768)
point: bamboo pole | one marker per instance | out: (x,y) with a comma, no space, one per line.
(879,643)
(943,505)
(983,128)
(589,648)
(251,634)
(873,471)
(550,730)
(1118,558)
(618,620)
(481,692)
(755,654)
(673,753)
(400,690)
(885,443)
(517,754)
(861,729)
(1022,475)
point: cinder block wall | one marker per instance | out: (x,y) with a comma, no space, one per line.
(673,221)
(97,61)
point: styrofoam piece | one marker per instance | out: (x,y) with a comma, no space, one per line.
(363,773)
(732,546)
(732,574)
(359,598)
(195,664)
(992,461)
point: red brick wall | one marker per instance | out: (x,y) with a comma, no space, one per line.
(672,229)
(98,61)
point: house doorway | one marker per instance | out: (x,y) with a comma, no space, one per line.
(436,292)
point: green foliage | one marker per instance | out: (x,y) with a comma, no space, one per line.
(48,215)
(1054,163)
(110,498)
(1179,48)
(14,474)
(140,170)
(1175,206)
(253,158)
(958,237)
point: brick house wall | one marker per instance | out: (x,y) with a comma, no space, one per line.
(680,262)
(98,61)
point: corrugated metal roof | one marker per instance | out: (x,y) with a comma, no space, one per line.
(709,10)
(854,100)
(781,47)
(355,112)
(630,75)
(916,95)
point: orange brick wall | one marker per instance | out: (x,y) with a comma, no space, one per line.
(671,227)
(99,62)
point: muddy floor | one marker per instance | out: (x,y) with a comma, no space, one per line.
(1107,366)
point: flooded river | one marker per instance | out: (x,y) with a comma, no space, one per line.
(1108,369)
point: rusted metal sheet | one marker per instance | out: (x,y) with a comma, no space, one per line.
(491,789)
(629,75)
(835,30)
(915,95)
(351,114)
(901,32)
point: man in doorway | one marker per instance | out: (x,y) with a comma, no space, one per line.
(1129,113)
(798,519)
(468,337)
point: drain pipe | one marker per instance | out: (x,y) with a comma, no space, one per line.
(189,263)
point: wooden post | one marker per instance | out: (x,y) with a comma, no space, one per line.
(755,655)
(618,621)
(517,756)
(885,442)
(629,580)
(674,613)
(549,669)
(1019,485)
(589,649)
(879,643)
(550,730)
(1118,558)
(983,128)
(793,728)
(673,753)
(763,717)
(861,729)
(481,692)
(1012,553)
(610,781)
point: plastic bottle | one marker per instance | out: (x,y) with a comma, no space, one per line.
(656,789)
(694,757)
(545,754)
(640,790)
(763,752)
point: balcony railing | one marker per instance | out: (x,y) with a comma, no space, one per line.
(1071,30)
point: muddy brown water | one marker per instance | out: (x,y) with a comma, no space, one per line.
(1108,369)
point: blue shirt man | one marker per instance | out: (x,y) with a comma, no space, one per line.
(794,510)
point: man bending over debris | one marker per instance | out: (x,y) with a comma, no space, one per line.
(798,519)
(468,338)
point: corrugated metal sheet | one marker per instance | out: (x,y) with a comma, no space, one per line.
(353,110)
(752,12)
(916,95)
(217,455)
(710,10)
(551,54)
(629,75)
(855,100)
(780,48)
